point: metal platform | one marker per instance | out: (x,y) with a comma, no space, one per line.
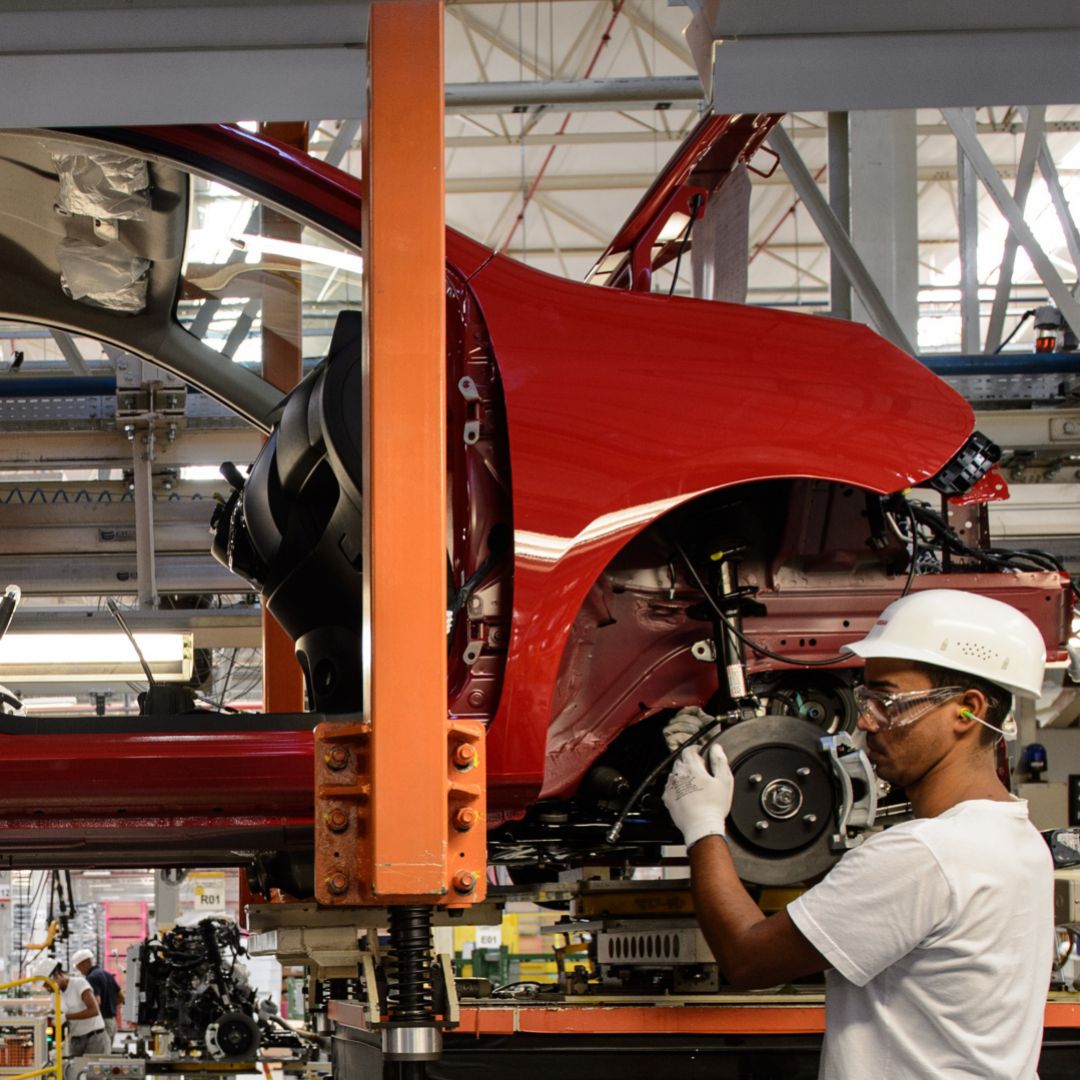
(720,1037)
(99,1067)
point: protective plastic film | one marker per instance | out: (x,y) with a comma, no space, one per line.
(102,185)
(104,275)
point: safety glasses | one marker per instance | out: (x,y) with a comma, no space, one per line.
(884,710)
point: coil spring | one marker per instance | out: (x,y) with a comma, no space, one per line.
(410,947)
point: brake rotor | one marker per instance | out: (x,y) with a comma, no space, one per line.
(784,807)
(232,1035)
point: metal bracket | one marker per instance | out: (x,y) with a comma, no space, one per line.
(372,1005)
(851,813)
(446,992)
(148,396)
(447,1006)
(704,650)
(468,389)
(343,830)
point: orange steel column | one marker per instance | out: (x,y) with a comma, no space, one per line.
(400,796)
(405,557)
(282,366)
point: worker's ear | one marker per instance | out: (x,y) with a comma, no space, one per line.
(972,709)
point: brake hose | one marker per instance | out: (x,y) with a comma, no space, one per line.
(615,831)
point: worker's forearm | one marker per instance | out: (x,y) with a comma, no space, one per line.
(82,1014)
(753,951)
(725,910)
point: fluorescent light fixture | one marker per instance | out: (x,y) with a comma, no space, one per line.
(252,244)
(94,657)
(208,472)
(49,703)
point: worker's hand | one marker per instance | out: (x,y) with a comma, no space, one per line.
(685,724)
(698,796)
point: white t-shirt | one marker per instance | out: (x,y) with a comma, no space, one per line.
(939,932)
(72,1002)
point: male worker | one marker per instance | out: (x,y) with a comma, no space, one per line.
(104,985)
(86,1029)
(935,934)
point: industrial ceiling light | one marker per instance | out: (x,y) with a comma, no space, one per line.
(254,245)
(90,657)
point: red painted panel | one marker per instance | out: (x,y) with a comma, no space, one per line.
(264,776)
(619,408)
(622,406)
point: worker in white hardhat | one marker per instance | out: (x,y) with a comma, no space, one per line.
(86,1028)
(936,934)
(105,987)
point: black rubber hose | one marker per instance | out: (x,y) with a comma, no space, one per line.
(615,831)
(758,648)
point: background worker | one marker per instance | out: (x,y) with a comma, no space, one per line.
(86,1028)
(104,985)
(936,935)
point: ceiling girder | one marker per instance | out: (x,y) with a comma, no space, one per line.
(562,95)
(117,575)
(786,55)
(44,449)
(213,628)
(973,150)
(70,64)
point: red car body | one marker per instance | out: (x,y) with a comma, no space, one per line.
(602,414)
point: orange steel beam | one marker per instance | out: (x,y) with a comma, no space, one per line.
(607,1017)
(404,427)
(282,366)
(684,1019)
(399,814)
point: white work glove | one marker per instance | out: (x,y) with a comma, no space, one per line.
(697,799)
(685,724)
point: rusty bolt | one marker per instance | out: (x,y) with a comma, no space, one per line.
(464,882)
(337,820)
(337,757)
(466,818)
(337,883)
(464,755)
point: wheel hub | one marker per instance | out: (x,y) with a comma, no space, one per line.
(784,802)
(781,799)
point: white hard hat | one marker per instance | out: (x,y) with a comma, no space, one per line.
(80,956)
(43,966)
(963,632)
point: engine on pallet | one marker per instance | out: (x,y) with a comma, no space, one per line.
(189,980)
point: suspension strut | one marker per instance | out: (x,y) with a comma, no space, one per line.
(732,692)
(411,1035)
